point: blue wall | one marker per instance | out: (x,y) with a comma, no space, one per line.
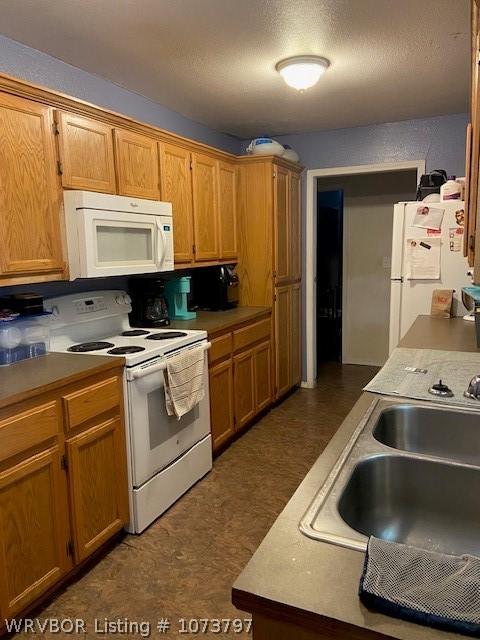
(440,141)
(34,66)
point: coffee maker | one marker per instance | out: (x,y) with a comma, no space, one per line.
(216,288)
(149,305)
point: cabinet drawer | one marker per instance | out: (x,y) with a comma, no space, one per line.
(221,348)
(28,428)
(251,333)
(91,401)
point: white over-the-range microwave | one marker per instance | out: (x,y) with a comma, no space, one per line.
(110,235)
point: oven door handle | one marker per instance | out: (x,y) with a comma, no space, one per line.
(154,368)
(141,373)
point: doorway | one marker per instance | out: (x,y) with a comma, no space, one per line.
(329,274)
(363,233)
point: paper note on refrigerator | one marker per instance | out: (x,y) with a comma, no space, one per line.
(428,217)
(422,258)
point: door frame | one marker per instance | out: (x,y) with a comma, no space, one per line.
(310,380)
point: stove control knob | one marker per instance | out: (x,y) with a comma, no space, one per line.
(119,299)
(127,299)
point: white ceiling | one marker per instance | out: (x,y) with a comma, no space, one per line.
(213,60)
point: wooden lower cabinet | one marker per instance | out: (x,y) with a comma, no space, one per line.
(221,404)
(63,488)
(288,343)
(283,322)
(240,378)
(296,333)
(33,530)
(97,482)
(244,387)
(263,376)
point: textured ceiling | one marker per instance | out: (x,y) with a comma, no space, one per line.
(213,60)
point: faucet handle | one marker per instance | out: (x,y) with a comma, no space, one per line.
(441,389)
(473,389)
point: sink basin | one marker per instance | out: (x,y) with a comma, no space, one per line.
(414,501)
(409,473)
(445,433)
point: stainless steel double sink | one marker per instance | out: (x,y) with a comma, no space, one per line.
(410,473)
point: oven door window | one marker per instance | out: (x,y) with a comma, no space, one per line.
(156,438)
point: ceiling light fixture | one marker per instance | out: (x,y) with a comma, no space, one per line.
(302,72)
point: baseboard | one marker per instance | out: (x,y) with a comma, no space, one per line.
(307,384)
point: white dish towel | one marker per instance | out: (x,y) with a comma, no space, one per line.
(184,381)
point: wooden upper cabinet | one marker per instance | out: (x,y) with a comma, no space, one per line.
(98,485)
(205,207)
(33,530)
(295,228)
(30,221)
(136,159)
(176,187)
(86,153)
(281,207)
(227,210)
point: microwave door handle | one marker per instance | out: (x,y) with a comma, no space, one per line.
(161,240)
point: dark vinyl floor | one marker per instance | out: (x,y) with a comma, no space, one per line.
(184,565)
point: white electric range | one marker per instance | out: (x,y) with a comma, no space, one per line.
(165,456)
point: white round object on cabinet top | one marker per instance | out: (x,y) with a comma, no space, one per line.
(265,147)
(291,154)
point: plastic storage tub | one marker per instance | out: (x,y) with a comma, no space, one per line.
(22,338)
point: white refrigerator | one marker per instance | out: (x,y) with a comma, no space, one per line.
(410,292)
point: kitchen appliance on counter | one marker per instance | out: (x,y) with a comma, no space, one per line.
(216,288)
(165,456)
(179,298)
(26,304)
(410,294)
(149,304)
(111,235)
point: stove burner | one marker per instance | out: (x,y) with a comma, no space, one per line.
(90,346)
(166,335)
(135,332)
(119,351)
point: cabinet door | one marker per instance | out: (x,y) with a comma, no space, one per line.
(295,227)
(263,376)
(221,402)
(86,153)
(281,214)
(244,387)
(33,530)
(227,210)
(98,486)
(205,213)
(283,340)
(296,333)
(176,187)
(136,159)
(30,220)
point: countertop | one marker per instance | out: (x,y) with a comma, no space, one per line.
(32,377)
(447,334)
(219,321)
(308,582)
